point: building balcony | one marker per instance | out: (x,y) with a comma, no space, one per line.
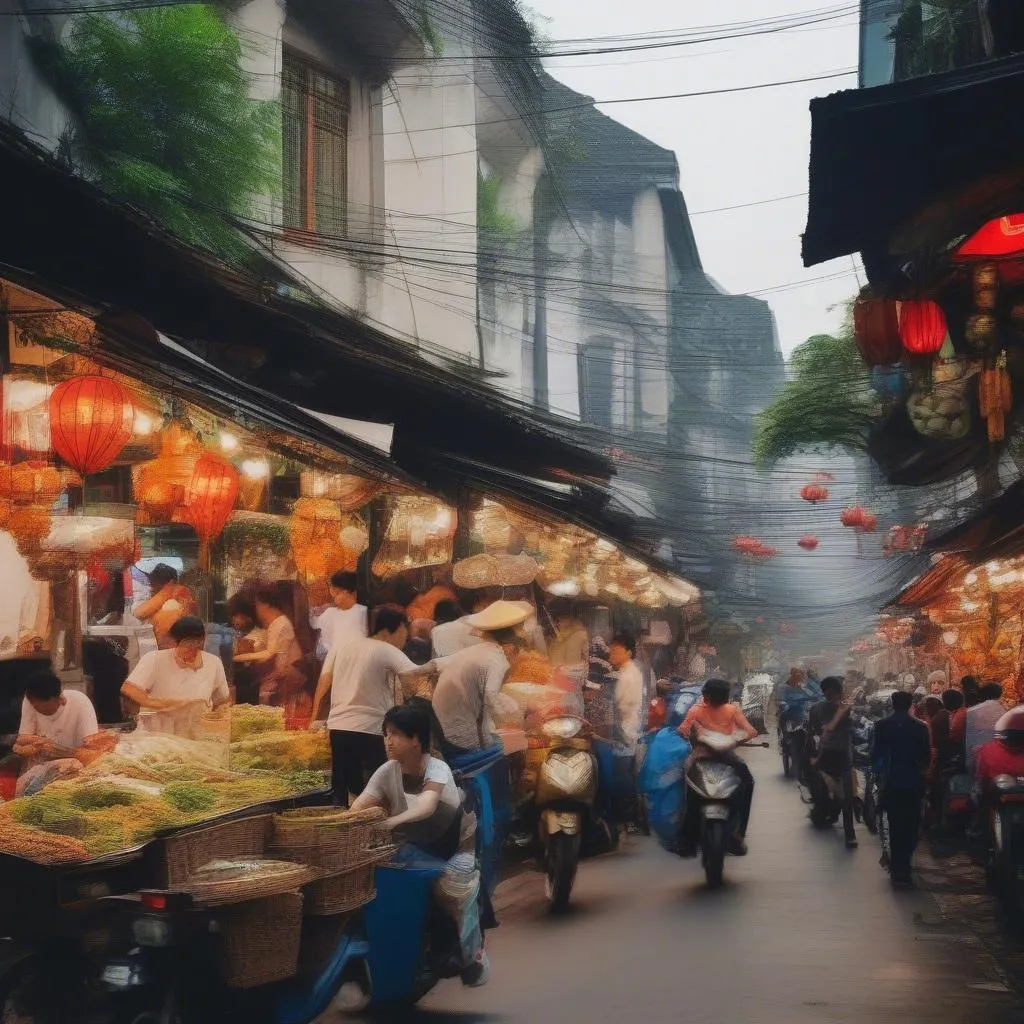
(904,39)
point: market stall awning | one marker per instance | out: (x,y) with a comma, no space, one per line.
(913,165)
(996,532)
(930,586)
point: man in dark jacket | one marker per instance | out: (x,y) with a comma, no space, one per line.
(902,752)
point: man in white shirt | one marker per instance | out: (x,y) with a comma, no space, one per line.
(470,679)
(183,677)
(344,617)
(629,689)
(451,633)
(53,722)
(362,675)
(981,721)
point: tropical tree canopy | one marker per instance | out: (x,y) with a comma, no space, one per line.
(163,117)
(826,403)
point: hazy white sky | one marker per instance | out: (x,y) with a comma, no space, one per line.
(735,148)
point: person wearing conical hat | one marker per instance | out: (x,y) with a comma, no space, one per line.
(470,679)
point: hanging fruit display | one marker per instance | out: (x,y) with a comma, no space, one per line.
(985,286)
(814,493)
(91,420)
(995,398)
(877,330)
(808,542)
(940,407)
(922,327)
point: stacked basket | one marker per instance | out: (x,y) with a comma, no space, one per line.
(343,848)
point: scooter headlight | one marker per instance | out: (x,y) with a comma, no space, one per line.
(1005,781)
(562,728)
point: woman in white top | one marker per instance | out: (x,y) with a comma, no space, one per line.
(185,676)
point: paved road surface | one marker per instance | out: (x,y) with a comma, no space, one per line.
(804,932)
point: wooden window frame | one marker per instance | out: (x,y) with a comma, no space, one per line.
(307,179)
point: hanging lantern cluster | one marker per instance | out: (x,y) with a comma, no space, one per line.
(858,518)
(160,485)
(905,539)
(91,421)
(315,531)
(752,547)
(923,327)
(814,493)
(419,534)
(349,492)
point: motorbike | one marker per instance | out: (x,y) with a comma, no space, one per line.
(713,783)
(1005,864)
(562,775)
(792,742)
(394,951)
(865,803)
(827,792)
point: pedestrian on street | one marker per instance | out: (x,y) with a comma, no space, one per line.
(901,755)
(830,719)
(981,721)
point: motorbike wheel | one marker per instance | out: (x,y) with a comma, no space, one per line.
(26,995)
(713,843)
(563,856)
(820,817)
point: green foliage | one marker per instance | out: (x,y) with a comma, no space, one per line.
(428,30)
(493,226)
(164,120)
(826,403)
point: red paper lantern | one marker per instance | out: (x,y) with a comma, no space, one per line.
(746,545)
(868,523)
(1001,237)
(808,542)
(210,496)
(91,420)
(876,329)
(853,517)
(814,493)
(922,326)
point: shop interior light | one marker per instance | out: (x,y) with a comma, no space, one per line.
(143,425)
(228,442)
(971,578)
(23,395)
(256,469)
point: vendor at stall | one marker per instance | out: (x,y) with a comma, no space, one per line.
(470,679)
(54,722)
(570,645)
(178,679)
(168,602)
(281,656)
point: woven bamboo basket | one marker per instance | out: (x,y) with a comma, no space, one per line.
(184,853)
(516,570)
(476,572)
(327,837)
(261,940)
(280,877)
(348,890)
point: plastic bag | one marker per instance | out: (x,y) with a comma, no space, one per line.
(662,785)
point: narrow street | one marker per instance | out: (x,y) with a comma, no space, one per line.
(804,932)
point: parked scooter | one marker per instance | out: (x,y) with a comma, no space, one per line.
(866,797)
(1004,868)
(563,777)
(792,744)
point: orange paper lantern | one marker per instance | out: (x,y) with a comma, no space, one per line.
(210,497)
(814,493)
(91,421)
(160,485)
